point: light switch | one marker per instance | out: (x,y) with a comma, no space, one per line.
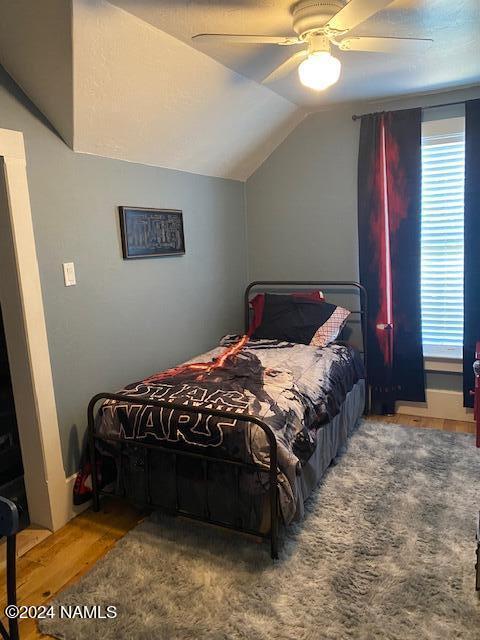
(69,274)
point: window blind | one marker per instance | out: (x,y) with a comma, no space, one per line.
(443,175)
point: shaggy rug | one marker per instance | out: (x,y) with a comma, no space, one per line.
(386,551)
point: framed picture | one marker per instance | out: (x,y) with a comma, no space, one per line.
(151,233)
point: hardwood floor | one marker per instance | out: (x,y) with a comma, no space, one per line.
(428,423)
(64,556)
(26,540)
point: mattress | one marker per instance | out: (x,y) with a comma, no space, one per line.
(296,389)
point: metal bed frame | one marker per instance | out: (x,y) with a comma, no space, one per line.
(206,460)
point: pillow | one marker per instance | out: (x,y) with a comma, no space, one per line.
(332,328)
(258,302)
(303,321)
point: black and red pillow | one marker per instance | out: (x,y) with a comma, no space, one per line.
(300,320)
(258,303)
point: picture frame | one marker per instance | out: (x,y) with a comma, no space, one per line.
(151,233)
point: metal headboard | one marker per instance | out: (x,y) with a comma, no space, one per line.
(319,284)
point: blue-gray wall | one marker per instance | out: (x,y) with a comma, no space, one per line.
(124,319)
(302,202)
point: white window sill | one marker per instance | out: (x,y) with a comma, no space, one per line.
(443,358)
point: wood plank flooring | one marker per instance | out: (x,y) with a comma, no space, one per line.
(64,556)
(26,540)
(428,423)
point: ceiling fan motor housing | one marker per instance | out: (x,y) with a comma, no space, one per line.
(309,16)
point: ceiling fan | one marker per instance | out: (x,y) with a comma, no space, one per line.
(319,25)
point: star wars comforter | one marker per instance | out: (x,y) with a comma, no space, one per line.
(294,388)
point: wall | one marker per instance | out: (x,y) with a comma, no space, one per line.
(124,319)
(302,202)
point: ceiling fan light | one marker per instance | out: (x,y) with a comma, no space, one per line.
(319,71)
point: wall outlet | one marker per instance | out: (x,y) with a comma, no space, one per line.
(69,274)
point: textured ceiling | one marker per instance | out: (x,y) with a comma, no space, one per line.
(143,95)
(113,85)
(453,60)
(123,79)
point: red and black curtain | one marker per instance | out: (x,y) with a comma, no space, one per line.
(471,322)
(389,219)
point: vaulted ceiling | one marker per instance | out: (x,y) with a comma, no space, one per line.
(144,95)
(452,60)
(123,78)
(114,85)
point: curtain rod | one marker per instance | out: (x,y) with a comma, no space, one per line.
(433,106)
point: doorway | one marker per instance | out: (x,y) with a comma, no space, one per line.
(47,491)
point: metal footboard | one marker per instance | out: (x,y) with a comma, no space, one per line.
(93,438)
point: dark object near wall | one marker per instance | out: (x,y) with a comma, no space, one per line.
(389,205)
(471,322)
(477,565)
(9,526)
(151,233)
(11,467)
(15,491)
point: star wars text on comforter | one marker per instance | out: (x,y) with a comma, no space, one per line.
(293,388)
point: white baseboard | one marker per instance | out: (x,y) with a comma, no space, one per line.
(439,404)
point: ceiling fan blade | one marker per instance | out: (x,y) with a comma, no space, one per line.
(246,39)
(385,45)
(355,12)
(286,67)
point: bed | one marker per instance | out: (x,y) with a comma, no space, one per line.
(241,435)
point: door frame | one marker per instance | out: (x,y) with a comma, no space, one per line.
(48,490)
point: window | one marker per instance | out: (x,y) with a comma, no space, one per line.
(443,175)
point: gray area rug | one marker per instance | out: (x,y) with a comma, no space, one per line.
(386,551)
